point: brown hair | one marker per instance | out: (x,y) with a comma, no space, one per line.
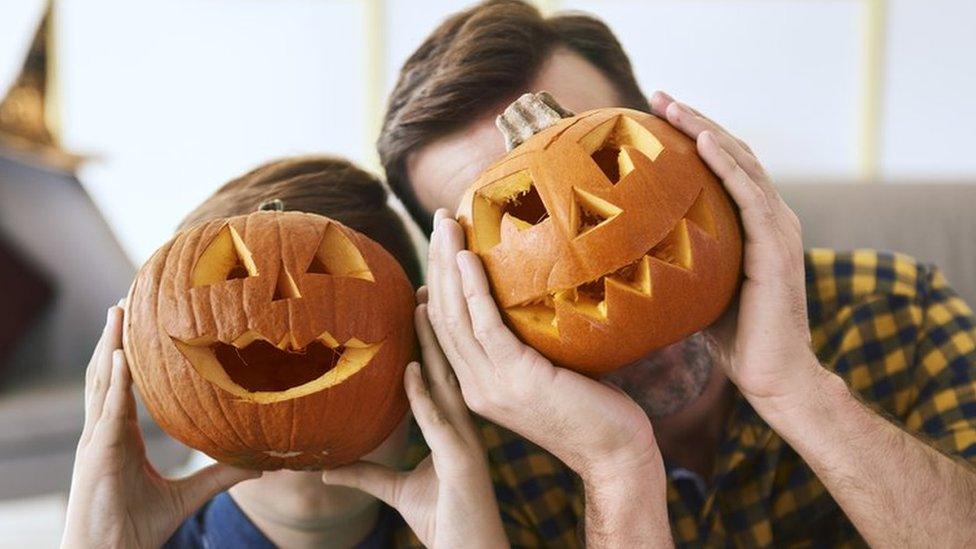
(322,185)
(477,59)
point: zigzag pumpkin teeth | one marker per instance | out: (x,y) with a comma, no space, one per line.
(675,248)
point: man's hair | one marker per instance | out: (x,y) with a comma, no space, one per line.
(475,60)
(322,185)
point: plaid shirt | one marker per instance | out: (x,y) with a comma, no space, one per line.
(891,327)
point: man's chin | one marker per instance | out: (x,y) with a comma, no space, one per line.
(646,370)
(666,380)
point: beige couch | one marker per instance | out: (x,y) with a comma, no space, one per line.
(933,222)
(38,429)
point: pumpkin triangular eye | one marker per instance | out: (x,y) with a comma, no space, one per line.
(225,258)
(526,206)
(591,211)
(285,287)
(513,198)
(338,256)
(317,267)
(613,143)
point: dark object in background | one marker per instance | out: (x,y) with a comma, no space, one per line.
(26,292)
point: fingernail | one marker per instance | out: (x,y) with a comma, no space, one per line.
(660,94)
(121,302)
(413,370)
(709,137)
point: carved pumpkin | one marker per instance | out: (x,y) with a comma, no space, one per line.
(272,340)
(604,236)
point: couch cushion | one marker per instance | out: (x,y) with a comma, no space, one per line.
(935,223)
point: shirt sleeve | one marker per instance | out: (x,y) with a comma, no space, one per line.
(945,369)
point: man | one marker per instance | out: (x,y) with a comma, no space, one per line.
(833,404)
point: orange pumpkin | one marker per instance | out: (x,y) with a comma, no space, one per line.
(604,237)
(272,340)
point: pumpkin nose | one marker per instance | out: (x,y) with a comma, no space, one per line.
(285,287)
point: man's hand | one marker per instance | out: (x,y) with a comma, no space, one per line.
(117,497)
(896,489)
(594,428)
(448,499)
(765,344)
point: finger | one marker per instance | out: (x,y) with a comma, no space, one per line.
(200,487)
(101,376)
(436,369)
(376,480)
(93,363)
(446,306)
(685,119)
(422,294)
(119,402)
(439,215)
(660,102)
(498,342)
(759,216)
(99,347)
(437,429)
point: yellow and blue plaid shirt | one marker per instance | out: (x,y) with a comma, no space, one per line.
(891,327)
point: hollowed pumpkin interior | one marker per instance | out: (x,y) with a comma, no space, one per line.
(263,367)
(255,369)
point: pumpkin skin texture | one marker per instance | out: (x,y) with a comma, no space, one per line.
(605,237)
(272,340)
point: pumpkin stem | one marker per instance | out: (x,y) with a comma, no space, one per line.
(529,115)
(273,205)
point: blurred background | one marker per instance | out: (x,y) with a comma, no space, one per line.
(119,116)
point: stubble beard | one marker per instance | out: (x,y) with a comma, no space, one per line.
(666,381)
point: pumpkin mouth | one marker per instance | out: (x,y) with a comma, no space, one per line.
(590,298)
(254,368)
(263,367)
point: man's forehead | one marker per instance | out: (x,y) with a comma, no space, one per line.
(442,170)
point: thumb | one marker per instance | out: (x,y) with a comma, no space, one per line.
(201,486)
(376,480)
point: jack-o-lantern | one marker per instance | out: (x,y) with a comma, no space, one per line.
(604,236)
(272,340)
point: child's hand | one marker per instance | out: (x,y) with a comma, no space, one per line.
(448,499)
(117,497)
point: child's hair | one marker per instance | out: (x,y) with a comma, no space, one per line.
(322,185)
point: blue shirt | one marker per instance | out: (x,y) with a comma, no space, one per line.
(221,524)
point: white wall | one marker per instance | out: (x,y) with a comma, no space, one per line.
(18,23)
(177,96)
(764,69)
(929,122)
